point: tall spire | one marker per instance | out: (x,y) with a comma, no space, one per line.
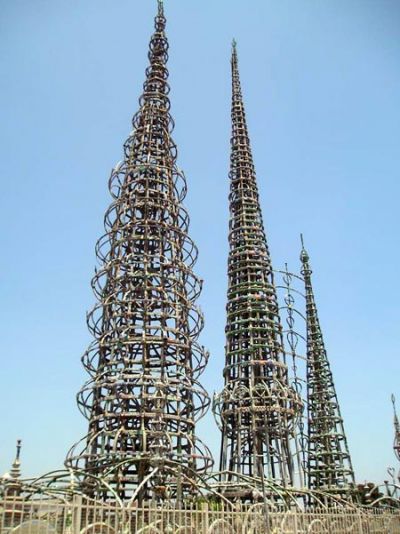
(143,398)
(396,443)
(257,407)
(329,466)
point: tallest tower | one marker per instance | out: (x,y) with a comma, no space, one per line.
(143,396)
(257,406)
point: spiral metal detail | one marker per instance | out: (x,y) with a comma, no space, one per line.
(143,397)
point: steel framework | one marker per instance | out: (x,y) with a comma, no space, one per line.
(329,466)
(396,423)
(143,397)
(257,409)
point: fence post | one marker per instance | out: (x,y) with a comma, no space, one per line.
(76,513)
(295,521)
(360,525)
(205,520)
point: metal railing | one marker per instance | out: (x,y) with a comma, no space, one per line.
(94,517)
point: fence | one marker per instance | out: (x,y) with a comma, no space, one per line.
(91,517)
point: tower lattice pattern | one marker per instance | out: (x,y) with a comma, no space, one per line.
(329,466)
(143,397)
(396,423)
(257,408)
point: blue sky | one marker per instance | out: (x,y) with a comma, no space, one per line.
(321,81)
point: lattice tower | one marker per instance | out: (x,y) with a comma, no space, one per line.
(396,423)
(329,466)
(257,407)
(143,397)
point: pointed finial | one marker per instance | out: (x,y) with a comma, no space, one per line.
(15,471)
(304,257)
(19,442)
(394,404)
(160,7)
(234,51)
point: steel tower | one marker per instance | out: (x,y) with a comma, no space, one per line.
(257,407)
(143,398)
(396,423)
(329,466)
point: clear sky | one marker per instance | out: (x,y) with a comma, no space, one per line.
(321,81)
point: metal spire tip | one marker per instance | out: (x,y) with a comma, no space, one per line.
(303,254)
(234,51)
(18,449)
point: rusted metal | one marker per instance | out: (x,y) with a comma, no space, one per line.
(143,397)
(329,466)
(257,409)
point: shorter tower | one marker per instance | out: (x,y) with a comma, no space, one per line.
(11,481)
(329,466)
(396,442)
